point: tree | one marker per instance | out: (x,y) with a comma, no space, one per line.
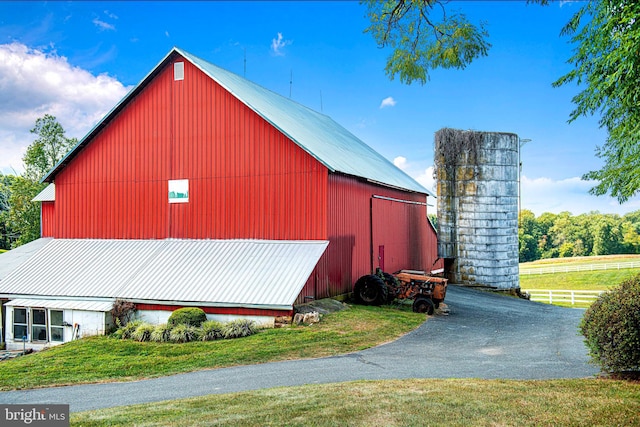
(528,235)
(6,234)
(50,146)
(606,60)
(24,215)
(607,237)
(421,42)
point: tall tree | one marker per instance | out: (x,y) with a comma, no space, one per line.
(422,39)
(606,61)
(49,147)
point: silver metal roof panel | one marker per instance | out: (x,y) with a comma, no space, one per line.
(84,305)
(48,194)
(11,260)
(236,273)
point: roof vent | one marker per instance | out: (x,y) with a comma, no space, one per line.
(178,71)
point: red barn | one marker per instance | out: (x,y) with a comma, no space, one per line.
(195,154)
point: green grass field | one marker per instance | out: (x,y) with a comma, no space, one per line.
(416,402)
(605,259)
(578,280)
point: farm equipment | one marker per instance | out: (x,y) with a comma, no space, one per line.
(426,291)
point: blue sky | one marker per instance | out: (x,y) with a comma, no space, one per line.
(75,60)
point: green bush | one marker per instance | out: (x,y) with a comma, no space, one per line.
(126,332)
(187,316)
(183,333)
(143,332)
(611,326)
(239,328)
(212,330)
(161,333)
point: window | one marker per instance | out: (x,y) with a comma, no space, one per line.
(57,330)
(19,323)
(178,71)
(38,324)
(178,191)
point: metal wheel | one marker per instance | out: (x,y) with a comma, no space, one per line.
(370,290)
(423,305)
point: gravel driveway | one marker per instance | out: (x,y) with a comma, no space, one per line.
(485,336)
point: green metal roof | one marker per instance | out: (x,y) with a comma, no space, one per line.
(316,133)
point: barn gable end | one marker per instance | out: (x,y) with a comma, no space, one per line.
(245,178)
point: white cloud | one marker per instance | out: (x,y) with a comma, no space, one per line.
(102,25)
(34,83)
(111,15)
(278,44)
(400,162)
(426,179)
(388,102)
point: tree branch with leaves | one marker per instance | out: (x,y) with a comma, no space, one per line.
(607,65)
(423,39)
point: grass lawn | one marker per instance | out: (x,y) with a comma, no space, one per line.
(463,402)
(577,280)
(596,280)
(554,262)
(101,358)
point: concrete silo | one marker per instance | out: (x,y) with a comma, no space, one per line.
(477,178)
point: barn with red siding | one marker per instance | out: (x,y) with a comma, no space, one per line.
(196,153)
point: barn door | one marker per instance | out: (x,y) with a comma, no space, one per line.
(397,237)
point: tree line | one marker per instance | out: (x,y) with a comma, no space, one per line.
(566,235)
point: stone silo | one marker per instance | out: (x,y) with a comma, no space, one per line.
(477,178)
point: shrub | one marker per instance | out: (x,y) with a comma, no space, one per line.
(239,328)
(143,332)
(183,333)
(187,316)
(212,330)
(611,326)
(122,312)
(161,333)
(127,330)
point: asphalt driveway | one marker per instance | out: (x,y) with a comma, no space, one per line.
(485,336)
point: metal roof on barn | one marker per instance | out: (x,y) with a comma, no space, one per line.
(216,273)
(316,133)
(82,305)
(11,260)
(48,194)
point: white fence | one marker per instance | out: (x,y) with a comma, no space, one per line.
(584,267)
(563,296)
